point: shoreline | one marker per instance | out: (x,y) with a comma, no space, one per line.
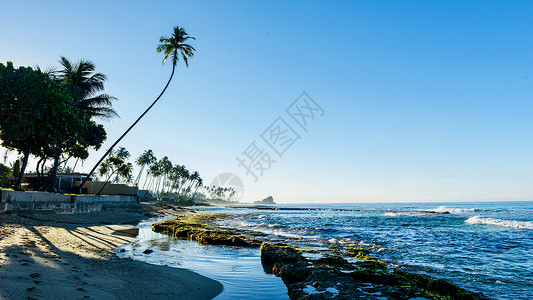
(48,256)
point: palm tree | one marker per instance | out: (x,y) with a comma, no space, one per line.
(185,176)
(174,46)
(194,178)
(156,171)
(166,168)
(199,183)
(116,165)
(86,86)
(147,158)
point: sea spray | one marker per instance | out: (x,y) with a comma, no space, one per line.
(478,220)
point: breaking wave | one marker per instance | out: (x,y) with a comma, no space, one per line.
(443,209)
(475,220)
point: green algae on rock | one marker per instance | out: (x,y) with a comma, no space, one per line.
(193,228)
(332,276)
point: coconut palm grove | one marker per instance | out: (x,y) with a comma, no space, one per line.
(55,116)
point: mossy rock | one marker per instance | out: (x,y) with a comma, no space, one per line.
(279,253)
(334,261)
(335,249)
(439,287)
(291,273)
(372,265)
(191,229)
(359,253)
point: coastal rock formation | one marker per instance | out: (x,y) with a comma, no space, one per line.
(333,276)
(267,200)
(191,229)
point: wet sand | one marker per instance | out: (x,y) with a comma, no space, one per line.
(52,256)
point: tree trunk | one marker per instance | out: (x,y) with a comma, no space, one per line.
(75,164)
(128,130)
(18,181)
(107,180)
(42,181)
(53,172)
(194,194)
(139,177)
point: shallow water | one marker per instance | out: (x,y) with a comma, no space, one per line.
(238,269)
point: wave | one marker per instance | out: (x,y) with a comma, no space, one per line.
(499,222)
(397,213)
(442,209)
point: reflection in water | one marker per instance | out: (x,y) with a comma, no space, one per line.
(238,269)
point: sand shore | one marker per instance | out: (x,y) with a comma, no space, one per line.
(72,257)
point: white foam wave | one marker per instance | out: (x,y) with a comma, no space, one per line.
(475,220)
(442,209)
(396,214)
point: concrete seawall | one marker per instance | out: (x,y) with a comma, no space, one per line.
(14,201)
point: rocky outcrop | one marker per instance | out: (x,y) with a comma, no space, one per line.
(190,228)
(333,276)
(267,200)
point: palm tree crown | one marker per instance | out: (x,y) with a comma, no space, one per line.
(87,86)
(175,46)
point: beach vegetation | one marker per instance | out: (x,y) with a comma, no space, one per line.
(168,182)
(40,117)
(116,165)
(145,159)
(5,172)
(87,88)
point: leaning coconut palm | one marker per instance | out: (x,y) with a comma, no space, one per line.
(166,168)
(185,177)
(174,46)
(193,179)
(116,165)
(147,158)
(155,173)
(87,87)
(199,183)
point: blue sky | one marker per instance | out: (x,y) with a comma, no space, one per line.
(423,101)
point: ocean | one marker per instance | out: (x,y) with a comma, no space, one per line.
(485,247)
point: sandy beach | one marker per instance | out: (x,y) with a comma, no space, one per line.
(52,256)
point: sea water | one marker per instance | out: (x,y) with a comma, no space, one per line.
(485,247)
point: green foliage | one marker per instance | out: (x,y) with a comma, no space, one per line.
(175,46)
(43,117)
(116,164)
(5,172)
(174,198)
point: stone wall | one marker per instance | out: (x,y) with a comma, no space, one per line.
(13,201)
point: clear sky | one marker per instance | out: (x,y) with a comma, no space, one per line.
(422,100)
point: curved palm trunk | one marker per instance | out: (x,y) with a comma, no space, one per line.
(128,130)
(145,180)
(106,182)
(194,194)
(139,176)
